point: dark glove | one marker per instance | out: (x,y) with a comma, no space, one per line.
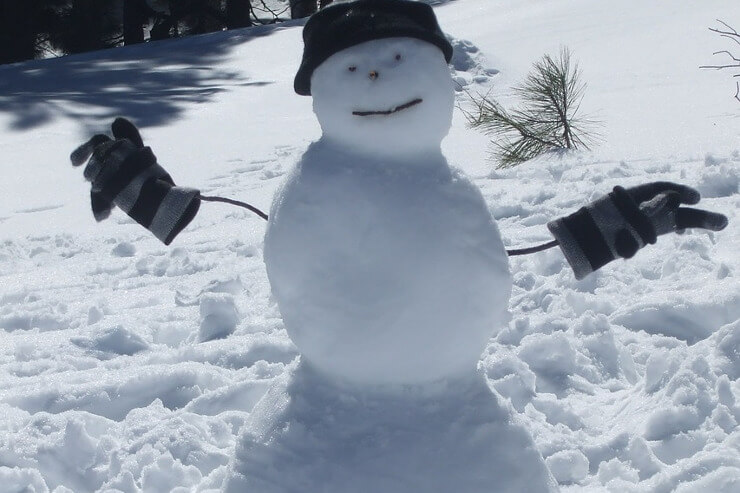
(626,220)
(125,173)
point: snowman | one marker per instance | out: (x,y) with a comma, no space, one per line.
(388,269)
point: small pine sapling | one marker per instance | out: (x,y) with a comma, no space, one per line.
(547,120)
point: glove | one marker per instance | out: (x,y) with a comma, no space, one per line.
(626,220)
(125,173)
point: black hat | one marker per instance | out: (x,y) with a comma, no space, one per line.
(340,26)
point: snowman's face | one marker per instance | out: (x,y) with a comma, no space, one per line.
(386,96)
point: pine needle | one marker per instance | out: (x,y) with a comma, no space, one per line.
(547,119)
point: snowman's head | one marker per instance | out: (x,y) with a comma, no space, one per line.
(377,71)
(390,95)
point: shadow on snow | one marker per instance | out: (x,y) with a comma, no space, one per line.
(152,83)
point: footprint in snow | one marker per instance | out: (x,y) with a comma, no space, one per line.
(468,65)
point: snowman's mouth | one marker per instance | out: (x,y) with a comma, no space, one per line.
(390,111)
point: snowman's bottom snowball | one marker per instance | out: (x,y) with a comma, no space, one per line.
(309,435)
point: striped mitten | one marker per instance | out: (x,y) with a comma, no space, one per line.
(624,221)
(125,173)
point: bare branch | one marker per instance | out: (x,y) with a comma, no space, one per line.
(734,58)
(719,67)
(734,38)
(266,8)
(731,34)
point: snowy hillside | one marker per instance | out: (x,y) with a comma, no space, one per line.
(129,366)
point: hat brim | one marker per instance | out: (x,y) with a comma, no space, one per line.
(302,82)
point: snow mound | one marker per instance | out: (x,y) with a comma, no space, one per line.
(721,177)
(219,316)
(450,436)
(115,340)
(568,466)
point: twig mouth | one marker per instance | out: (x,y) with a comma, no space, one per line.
(390,111)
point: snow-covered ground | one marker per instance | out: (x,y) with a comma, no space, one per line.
(126,365)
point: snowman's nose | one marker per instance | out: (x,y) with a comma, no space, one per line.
(374,74)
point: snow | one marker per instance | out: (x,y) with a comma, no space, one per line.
(420,313)
(105,383)
(568,466)
(390,275)
(386,264)
(307,433)
(219,316)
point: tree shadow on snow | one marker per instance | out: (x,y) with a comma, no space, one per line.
(152,83)
(435,3)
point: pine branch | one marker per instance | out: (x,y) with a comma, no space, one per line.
(545,121)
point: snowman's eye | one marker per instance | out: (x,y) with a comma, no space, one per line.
(398,57)
(351,68)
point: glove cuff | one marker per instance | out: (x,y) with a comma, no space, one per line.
(582,242)
(163,209)
(177,209)
(611,227)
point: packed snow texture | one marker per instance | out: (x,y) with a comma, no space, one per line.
(307,434)
(390,274)
(386,264)
(111,378)
(385,271)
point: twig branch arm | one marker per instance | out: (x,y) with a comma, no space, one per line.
(511,253)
